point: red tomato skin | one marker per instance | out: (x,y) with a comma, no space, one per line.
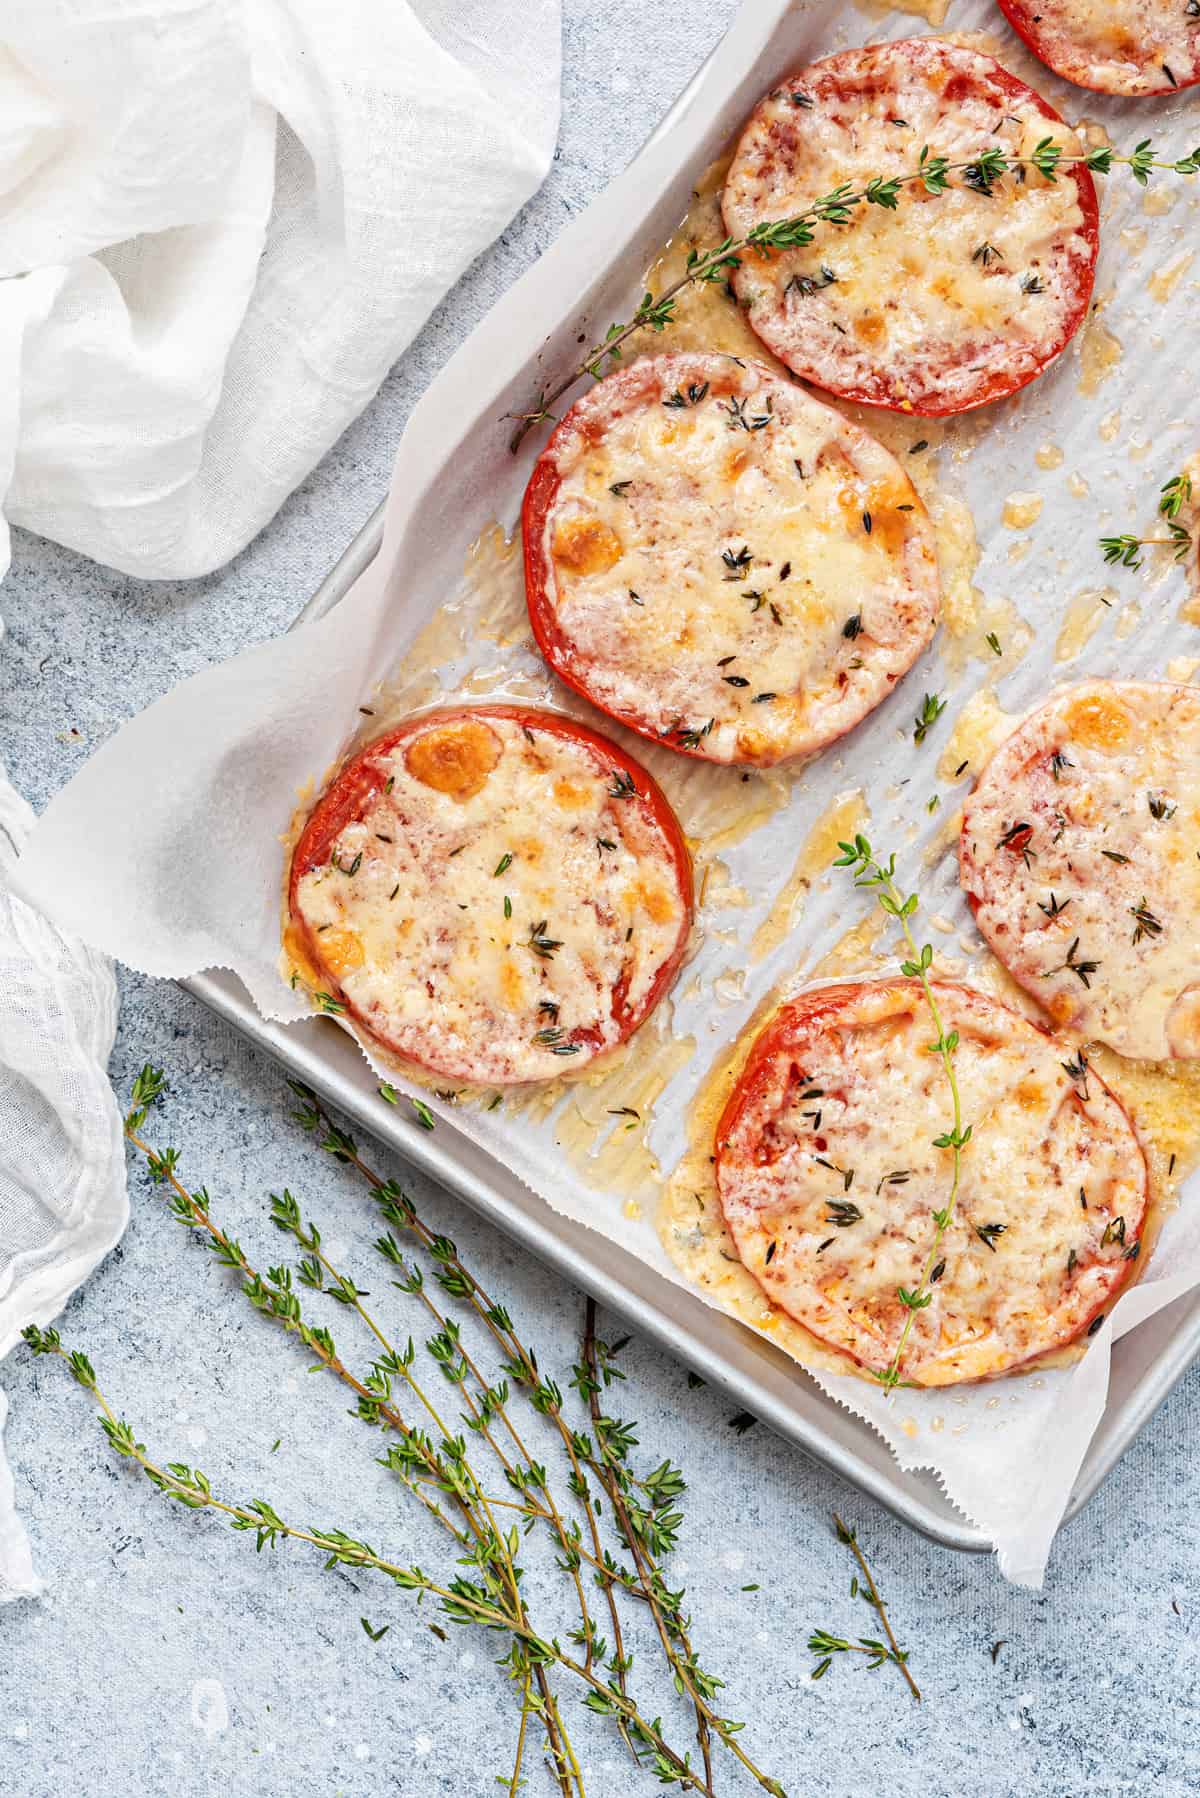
(356,785)
(874,392)
(811,1008)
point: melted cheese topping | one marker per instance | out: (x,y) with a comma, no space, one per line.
(1079,854)
(828,1176)
(943,302)
(732,566)
(502,907)
(1115,46)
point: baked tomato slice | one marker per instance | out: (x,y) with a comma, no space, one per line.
(1078,857)
(494,893)
(723,563)
(1131,47)
(946,301)
(828,1178)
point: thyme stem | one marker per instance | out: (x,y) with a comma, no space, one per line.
(850,1538)
(1174,496)
(516,1782)
(647,1574)
(980,173)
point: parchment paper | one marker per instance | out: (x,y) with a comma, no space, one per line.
(165,850)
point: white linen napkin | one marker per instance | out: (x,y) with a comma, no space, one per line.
(231,217)
(62,1161)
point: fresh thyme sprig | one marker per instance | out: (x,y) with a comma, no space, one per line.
(880,876)
(980,174)
(545,1398)
(932,707)
(1125,551)
(644,1508)
(822,1643)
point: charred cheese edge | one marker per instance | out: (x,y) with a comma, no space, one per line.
(1113,46)
(944,301)
(827,1178)
(731,566)
(502,887)
(1079,855)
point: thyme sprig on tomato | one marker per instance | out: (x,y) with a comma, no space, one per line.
(880,877)
(934,174)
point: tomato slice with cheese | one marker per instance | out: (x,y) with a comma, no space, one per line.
(494,893)
(828,1178)
(948,301)
(722,562)
(1079,857)
(1131,47)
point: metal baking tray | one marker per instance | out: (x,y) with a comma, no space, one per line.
(1146,1364)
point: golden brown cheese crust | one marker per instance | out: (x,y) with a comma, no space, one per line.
(946,302)
(496,894)
(1079,857)
(723,563)
(828,1179)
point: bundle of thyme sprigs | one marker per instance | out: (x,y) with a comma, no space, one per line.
(980,174)
(609,1530)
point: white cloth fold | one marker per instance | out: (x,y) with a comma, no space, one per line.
(231,217)
(62,1162)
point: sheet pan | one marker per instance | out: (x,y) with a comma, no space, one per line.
(1145,1364)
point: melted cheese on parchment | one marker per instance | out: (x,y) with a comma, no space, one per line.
(828,1176)
(1080,854)
(922,298)
(736,568)
(483,924)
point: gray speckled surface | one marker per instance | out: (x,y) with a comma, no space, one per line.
(165,1656)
